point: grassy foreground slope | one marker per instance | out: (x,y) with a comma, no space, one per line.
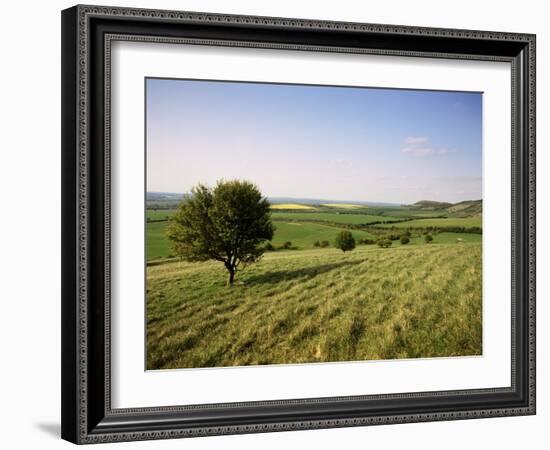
(317,306)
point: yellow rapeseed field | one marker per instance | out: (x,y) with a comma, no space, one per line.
(291,206)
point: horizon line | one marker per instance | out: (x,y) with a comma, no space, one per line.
(338,200)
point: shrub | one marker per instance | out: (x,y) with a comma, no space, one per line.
(324,244)
(383,243)
(316,244)
(366,241)
(455,229)
(344,241)
(428,238)
(404,240)
(286,245)
(269,247)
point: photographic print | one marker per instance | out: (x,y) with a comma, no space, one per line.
(294,224)
(277,224)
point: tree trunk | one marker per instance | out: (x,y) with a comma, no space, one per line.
(231,276)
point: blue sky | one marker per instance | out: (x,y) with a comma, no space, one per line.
(335,143)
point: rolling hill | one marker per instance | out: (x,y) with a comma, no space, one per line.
(466,208)
(430,205)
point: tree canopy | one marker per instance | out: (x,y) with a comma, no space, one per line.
(344,241)
(227,223)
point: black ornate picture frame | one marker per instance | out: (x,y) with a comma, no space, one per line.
(87,35)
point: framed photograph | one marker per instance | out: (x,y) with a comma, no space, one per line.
(277,224)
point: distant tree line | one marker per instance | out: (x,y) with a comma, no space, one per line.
(321,244)
(161,219)
(436,229)
(287,245)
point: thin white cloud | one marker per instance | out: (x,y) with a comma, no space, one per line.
(418,146)
(417,150)
(445,151)
(416,140)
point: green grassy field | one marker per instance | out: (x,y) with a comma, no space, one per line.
(450,238)
(443,222)
(420,300)
(407,213)
(160,214)
(303,235)
(157,244)
(354,219)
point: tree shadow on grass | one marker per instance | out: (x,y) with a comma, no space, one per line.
(307,273)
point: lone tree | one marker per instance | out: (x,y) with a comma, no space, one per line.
(344,241)
(227,223)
